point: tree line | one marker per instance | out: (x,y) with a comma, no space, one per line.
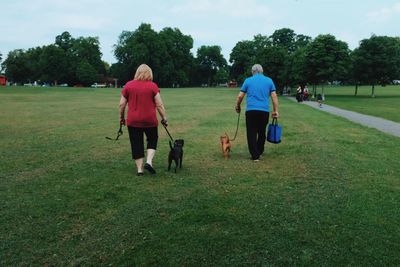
(288,58)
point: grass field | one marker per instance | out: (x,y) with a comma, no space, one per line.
(385,104)
(327,195)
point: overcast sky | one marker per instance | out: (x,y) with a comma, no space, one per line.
(25,24)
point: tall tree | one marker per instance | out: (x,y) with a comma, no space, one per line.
(86,73)
(326,59)
(119,70)
(302,41)
(210,60)
(17,67)
(33,58)
(273,59)
(57,62)
(295,71)
(377,61)
(88,48)
(140,46)
(178,58)
(285,38)
(64,41)
(242,57)
(52,64)
(79,51)
(275,53)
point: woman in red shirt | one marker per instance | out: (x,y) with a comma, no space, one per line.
(143,98)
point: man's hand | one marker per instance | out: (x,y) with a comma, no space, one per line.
(275,114)
(122,121)
(238,109)
(164,122)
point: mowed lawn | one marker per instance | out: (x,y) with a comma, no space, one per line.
(385,104)
(329,194)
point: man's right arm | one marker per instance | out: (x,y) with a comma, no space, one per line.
(239,100)
(274,97)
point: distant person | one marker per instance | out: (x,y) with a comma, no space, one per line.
(143,99)
(319,100)
(306,94)
(299,93)
(258,89)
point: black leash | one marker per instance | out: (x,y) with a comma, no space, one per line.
(172,139)
(119,133)
(237,127)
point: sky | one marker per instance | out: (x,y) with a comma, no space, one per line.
(30,23)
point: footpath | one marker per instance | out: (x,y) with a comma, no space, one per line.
(380,124)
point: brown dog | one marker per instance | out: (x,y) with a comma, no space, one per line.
(225,145)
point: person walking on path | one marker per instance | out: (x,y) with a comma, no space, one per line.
(300,93)
(380,124)
(143,98)
(258,89)
(319,100)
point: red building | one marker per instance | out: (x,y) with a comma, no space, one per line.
(3,80)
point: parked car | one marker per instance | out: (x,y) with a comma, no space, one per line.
(396,81)
(98,85)
(64,85)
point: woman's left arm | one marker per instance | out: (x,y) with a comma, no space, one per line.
(160,107)
(122,105)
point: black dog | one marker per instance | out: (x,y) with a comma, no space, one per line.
(176,153)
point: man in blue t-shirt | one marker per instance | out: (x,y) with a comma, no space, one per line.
(258,89)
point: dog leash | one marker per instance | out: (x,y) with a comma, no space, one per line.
(237,127)
(119,133)
(172,139)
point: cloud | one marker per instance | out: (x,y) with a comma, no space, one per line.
(234,9)
(222,22)
(210,22)
(384,14)
(82,22)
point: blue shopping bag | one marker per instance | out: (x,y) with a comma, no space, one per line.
(274,132)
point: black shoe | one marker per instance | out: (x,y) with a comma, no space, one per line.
(149,168)
(140,174)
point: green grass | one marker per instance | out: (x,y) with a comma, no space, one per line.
(327,195)
(385,104)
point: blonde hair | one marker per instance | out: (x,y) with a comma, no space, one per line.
(144,73)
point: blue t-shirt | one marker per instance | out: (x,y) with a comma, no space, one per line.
(258,89)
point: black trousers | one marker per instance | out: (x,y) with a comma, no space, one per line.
(137,143)
(256,126)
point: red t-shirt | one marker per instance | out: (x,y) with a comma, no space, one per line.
(141,104)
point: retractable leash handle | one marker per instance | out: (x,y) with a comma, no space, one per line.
(119,133)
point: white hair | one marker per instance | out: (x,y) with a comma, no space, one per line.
(257,68)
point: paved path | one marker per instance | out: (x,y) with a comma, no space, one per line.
(380,124)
